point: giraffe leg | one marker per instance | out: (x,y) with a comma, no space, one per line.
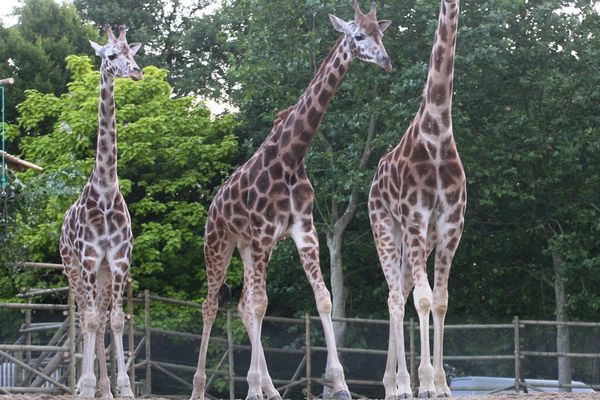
(217,261)
(253,307)
(396,379)
(305,237)
(119,268)
(86,387)
(443,260)
(266,382)
(103,300)
(414,241)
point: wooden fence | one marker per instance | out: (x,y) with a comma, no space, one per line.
(63,349)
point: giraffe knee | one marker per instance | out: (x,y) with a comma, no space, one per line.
(423,299)
(396,304)
(209,311)
(323,299)
(440,303)
(117,321)
(91,320)
(260,305)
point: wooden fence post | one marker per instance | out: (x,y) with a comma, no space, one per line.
(413,356)
(28,334)
(147,337)
(308,356)
(230,350)
(131,333)
(72,333)
(517,356)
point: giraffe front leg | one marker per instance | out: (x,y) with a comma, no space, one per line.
(119,269)
(415,245)
(86,386)
(445,250)
(306,240)
(104,298)
(396,379)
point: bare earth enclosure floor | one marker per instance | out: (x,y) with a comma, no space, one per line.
(538,396)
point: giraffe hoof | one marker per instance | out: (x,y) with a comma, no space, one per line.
(276,397)
(404,396)
(426,394)
(341,394)
(254,397)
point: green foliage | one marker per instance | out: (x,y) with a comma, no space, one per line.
(175,36)
(172,155)
(526,122)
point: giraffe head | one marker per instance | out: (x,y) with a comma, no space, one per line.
(117,55)
(364,34)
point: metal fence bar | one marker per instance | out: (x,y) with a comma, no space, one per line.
(517,354)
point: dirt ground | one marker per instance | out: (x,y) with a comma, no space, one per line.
(538,396)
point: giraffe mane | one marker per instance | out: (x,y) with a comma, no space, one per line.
(282,115)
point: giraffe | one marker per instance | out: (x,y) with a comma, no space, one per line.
(417,202)
(270,197)
(96,239)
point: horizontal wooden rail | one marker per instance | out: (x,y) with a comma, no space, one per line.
(34,306)
(37,265)
(31,347)
(557,354)
(40,292)
(557,323)
(29,389)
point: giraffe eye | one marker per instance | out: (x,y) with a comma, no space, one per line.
(359,36)
(112,57)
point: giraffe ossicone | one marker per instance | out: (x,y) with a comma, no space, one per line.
(270,197)
(417,203)
(96,239)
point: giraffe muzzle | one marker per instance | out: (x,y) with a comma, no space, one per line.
(385,63)
(136,75)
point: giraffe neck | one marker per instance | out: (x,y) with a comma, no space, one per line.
(296,131)
(441,65)
(434,120)
(105,169)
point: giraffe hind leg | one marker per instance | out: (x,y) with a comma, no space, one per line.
(245,312)
(217,260)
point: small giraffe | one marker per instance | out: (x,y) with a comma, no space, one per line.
(96,239)
(417,202)
(270,197)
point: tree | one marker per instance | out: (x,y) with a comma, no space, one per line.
(172,155)
(174,33)
(33,51)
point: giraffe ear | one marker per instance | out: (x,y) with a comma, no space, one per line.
(135,47)
(97,48)
(384,24)
(340,25)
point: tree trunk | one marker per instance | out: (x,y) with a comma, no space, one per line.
(338,290)
(562,332)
